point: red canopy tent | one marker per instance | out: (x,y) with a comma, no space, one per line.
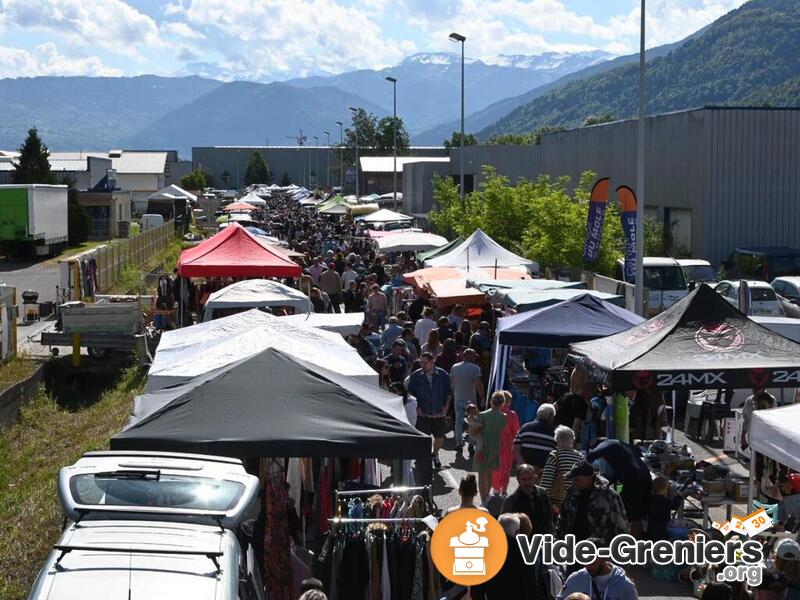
(239,207)
(235,252)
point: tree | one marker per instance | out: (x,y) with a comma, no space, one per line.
(514,139)
(196,180)
(78,221)
(455,140)
(539,219)
(364,128)
(33,164)
(386,127)
(285,179)
(256,170)
(597,119)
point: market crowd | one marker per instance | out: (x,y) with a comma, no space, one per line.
(572,474)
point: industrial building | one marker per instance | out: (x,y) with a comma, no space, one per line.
(721,176)
(303,165)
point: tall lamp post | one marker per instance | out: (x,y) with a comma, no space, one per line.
(393,81)
(316,163)
(341,160)
(457,37)
(354,110)
(328,159)
(638,292)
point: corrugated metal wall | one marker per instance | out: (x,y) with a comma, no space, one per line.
(418,185)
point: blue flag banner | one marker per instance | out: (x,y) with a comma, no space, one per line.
(598,201)
(627,214)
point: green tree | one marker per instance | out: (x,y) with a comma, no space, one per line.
(539,219)
(196,180)
(285,179)
(455,140)
(78,221)
(597,119)
(256,170)
(364,128)
(384,134)
(513,139)
(33,164)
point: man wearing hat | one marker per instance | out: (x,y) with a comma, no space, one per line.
(591,508)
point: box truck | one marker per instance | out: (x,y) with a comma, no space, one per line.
(33,219)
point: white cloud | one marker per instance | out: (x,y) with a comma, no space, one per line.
(46,60)
(109,24)
(182,30)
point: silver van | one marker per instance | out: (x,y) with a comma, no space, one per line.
(154,525)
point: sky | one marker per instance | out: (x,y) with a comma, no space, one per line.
(273,40)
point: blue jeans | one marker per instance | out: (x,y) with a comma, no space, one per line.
(458,426)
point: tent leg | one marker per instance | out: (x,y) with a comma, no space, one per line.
(751,481)
(674,410)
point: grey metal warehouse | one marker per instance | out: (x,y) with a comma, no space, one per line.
(726,177)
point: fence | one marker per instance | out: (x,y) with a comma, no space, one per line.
(110,260)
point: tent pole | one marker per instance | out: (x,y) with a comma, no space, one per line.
(751,480)
(674,408)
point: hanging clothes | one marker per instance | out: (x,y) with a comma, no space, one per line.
(277,539)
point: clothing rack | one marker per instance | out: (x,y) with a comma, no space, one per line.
(426,489)
(370,520)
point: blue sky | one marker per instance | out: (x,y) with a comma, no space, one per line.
(267,40)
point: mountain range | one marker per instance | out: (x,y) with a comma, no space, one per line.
(747,57)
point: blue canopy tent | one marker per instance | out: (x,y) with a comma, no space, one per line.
(582,318)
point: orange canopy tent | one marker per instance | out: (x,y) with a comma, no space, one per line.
(447,292)
(422,278)
(239,207)
(235,252)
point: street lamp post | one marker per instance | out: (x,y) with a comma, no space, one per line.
(316,163)
(341,154)
(638,293)
(393,81)
(328,159)
(354,110)
(457,37)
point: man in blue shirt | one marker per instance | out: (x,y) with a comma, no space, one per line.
(391,333)
(430,385)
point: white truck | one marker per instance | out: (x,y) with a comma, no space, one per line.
(33,219)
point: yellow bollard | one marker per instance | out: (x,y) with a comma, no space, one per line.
(76,349)
(13,323)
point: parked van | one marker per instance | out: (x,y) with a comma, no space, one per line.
(154,525)
(151,221)
(698,270)
(763,262)
(664,279)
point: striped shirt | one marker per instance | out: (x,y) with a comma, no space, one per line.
(559,461)
(536,440)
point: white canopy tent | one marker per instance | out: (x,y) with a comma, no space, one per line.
(172,192)
(256,293)
(410,241)
(479,250)
(342,323)
(384,215)
(190,352)
(253,199)
(774,433)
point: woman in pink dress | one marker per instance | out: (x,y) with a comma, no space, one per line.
(501,475)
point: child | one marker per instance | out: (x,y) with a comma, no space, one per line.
(661,508)
(474,437)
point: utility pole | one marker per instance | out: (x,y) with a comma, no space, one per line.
(354,110)
(341,157)
(457,37)
(638,293)
(393,81)
(316,163)
(327,159)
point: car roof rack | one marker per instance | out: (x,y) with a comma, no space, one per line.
(65,549)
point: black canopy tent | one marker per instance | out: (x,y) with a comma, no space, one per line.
(269,405)
(701,342)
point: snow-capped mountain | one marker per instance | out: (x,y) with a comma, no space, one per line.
(564,62)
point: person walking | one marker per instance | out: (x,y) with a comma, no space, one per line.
(536,440)
(465,377)
(431,387)
(492,422)
(433,345)
(377,307)
(425,325)
(502,474)
(555,477)
(600,580)
(331,283)
(448,357)
(467,490)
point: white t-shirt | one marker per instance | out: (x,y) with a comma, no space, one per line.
(411,410)
(423,328)
(347,277)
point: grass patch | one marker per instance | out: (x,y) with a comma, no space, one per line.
(132,279)
(15,370)
(46,438)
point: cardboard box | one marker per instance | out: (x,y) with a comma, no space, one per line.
(714,487)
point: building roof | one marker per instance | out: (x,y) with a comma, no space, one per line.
(384,164)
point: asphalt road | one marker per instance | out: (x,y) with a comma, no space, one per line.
(41,276)
(454,467)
